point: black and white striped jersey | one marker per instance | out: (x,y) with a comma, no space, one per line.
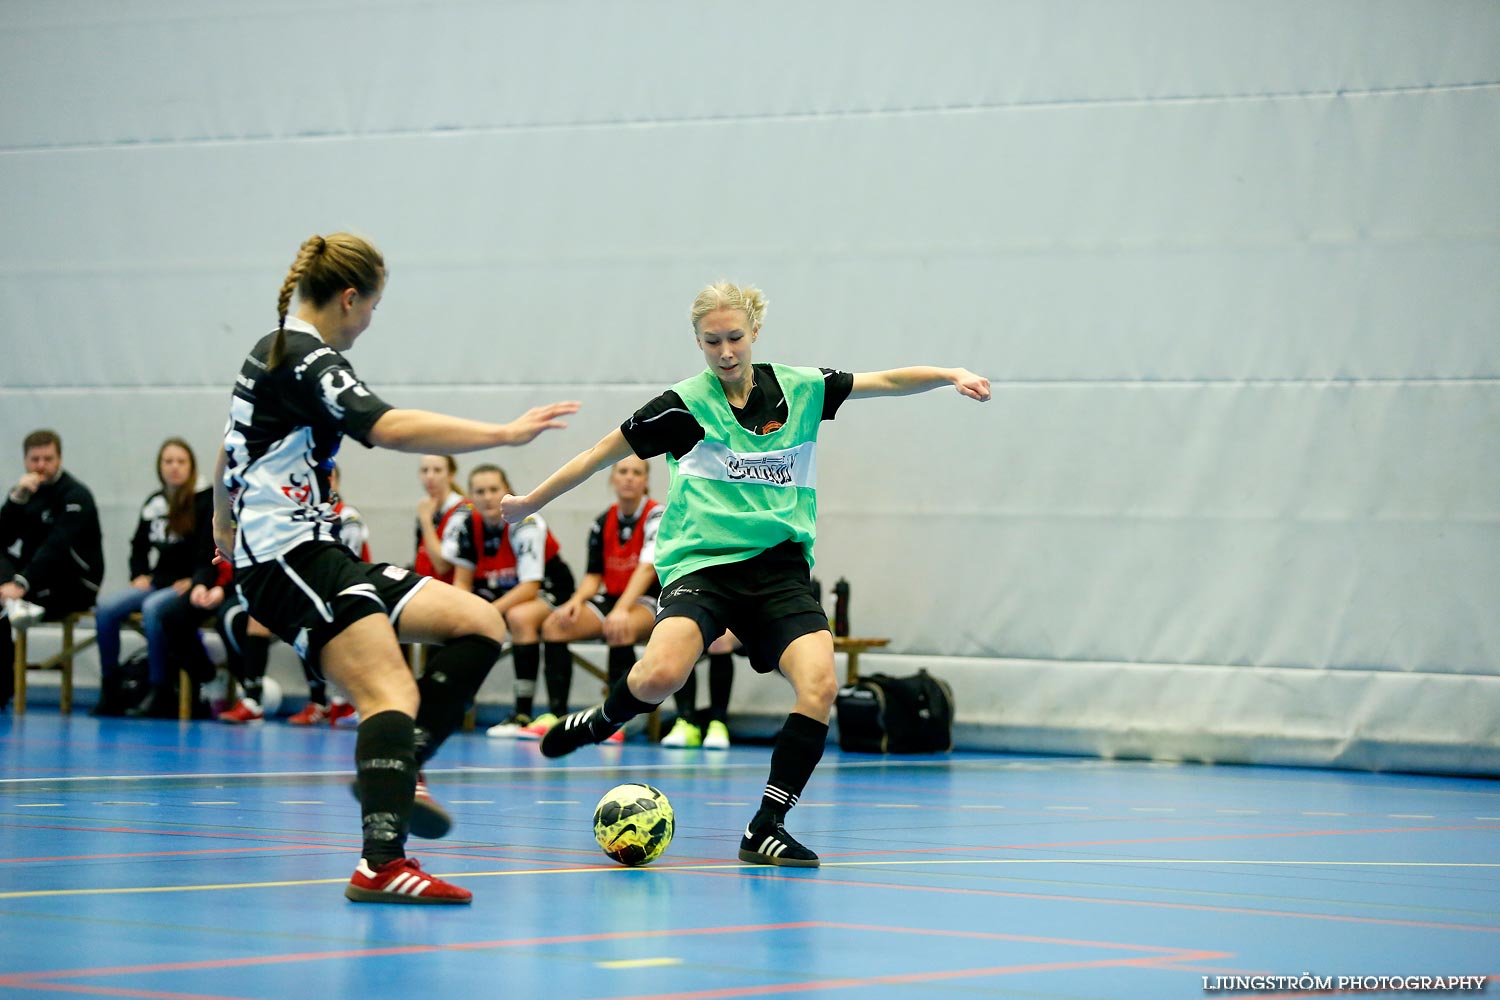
(285,427)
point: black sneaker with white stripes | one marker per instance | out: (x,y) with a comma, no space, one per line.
(767,843)
(577,729)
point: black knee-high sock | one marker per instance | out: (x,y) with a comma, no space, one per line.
(247,654)
(621,706)
(687,697)
(720,682)
(317,690)
(621,659)
(799,747)
(528,663)
(386,772)
(256,649)
(558,665)
(449,683)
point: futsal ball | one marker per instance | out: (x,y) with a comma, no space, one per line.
(634,824)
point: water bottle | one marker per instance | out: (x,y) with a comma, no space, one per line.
(841,607)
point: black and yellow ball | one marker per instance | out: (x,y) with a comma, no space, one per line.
(634,824)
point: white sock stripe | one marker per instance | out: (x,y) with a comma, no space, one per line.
(780,795)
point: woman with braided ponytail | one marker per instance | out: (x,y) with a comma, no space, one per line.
(735,545)
(294,400)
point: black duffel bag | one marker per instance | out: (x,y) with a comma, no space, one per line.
(883,714)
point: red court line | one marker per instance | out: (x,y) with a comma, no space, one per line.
(25,979)
(38,980)
(1204,838)
(205,834)
(1101,901)
(160,854)
(120,991)
(1200,907)
(911,977)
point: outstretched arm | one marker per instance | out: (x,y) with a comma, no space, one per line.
(422,433)
(610,449)
(908,381)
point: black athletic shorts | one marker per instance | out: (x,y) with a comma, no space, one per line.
(557,584)
(317,590)
(766,601)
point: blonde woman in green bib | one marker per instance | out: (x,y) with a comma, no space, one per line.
(735,547)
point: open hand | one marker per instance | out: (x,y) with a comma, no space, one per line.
(539,418)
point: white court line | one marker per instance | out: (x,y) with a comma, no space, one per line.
(758,767)
(1156,861)
(125,803)
(1408,816)
(737,866)
(39,805)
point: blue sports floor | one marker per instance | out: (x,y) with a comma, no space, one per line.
(166,860)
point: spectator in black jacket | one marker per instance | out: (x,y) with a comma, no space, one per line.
(169,546)
(51,556)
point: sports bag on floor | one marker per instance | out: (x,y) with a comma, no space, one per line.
(883,714)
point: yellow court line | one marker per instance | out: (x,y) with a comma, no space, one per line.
(736,865)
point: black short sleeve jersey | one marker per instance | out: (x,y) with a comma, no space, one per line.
(665,426)
(285,426)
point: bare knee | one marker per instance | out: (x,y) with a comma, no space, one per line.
(655,678)
(819,690)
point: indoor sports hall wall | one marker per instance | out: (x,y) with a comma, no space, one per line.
(1230,266)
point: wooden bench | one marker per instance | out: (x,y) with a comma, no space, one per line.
(62,661)
(852,647)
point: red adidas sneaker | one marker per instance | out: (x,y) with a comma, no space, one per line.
(340,712)
(401,881)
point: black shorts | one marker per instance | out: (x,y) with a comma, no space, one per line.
(766,601)
(317,590)
(603,603)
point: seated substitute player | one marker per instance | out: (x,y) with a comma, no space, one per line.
(517,569)
(295,398)
(735,545)
(616,600)
(443,504)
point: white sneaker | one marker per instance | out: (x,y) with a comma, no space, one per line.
(683,734)
(510,728)
(716,737)
(22,613)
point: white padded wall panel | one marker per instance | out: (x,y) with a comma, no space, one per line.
(1217,257)
(121,72)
